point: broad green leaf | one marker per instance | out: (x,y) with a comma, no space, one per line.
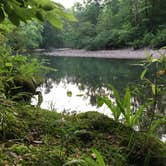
(24,13)
(122,109)
(42,2)
(12,15)
(126,102)
(54,20)
(113,108)
(155,60)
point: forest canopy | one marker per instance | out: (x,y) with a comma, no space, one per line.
(107,24)
(101,24)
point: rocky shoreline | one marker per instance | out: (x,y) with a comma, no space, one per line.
(112,54)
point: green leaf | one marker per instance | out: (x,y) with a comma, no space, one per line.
(156,124)
(155,60)
(69,93)
(148,56)
(153,86)
(143,74)
(90,162)
(12,15)
(126,102)
(24,13)
(115,92)
(2,15)
(8,64)
(100,159)
(100,101)
(39,15)
(137,115)
(54,20)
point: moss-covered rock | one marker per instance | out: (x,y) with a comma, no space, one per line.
(22,88)
(48,138)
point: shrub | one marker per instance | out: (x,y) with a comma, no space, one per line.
(159,39)
(18,73)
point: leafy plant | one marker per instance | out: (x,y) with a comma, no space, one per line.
(132,117)
(156,124)
(26,36)
(19,74)
(153,76)
(114,108)
(123,107)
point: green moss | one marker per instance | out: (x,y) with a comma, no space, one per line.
(19,149)
(50,138)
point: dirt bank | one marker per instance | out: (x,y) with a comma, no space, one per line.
(114,54)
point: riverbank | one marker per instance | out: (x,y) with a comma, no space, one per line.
(112,54)
(32,136)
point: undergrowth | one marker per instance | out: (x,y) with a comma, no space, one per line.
(31,136)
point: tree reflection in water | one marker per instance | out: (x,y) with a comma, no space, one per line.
(85,78)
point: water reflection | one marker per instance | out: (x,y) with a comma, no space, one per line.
(85,78)
(78,81)
(94,72)
(55,98)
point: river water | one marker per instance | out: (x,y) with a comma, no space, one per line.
(77,82)
(74,87)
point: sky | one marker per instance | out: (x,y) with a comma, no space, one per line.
(67,3)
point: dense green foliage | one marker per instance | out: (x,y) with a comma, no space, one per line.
(19,75)
(26,36)
(114,24)
(52,37)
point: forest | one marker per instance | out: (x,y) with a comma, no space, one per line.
(64,109)
(98,24)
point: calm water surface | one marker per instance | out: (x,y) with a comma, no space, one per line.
(77,82)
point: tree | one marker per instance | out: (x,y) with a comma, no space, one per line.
(118,23)
(23,10)
(26,36)
(52,37)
